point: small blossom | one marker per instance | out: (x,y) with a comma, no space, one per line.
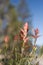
(23,34)
(6,39)
(36,31)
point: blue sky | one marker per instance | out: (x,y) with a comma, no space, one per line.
(36,8)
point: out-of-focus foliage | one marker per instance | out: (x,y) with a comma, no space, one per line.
(41,50)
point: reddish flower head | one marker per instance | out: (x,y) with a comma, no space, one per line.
(6,39)
(36,31)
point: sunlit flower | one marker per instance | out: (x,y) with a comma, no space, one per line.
(24,31)
(23,34)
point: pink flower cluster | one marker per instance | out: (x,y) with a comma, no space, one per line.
(23,33)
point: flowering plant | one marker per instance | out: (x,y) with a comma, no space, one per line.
(16,53)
